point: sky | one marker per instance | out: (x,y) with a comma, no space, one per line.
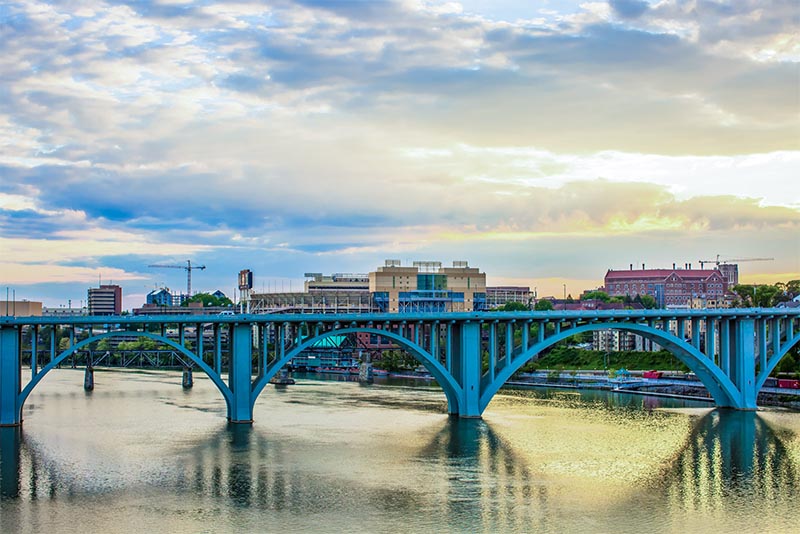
(544,142)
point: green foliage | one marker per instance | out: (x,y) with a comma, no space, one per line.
(765,295)
(596,295)
(574,358)
(788,364)
(647,301)
(396,360)
(543,305)
(208,300)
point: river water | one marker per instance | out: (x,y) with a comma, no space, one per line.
(141,454)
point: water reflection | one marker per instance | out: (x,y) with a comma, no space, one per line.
(487,484)
(729,453)
(10,440)
(454,473)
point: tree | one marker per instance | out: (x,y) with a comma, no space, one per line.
(513,306)
(648,301)
(763,296)
(543,305)
(208,300)
(596,295)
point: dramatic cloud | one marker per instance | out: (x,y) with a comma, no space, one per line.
(295,136)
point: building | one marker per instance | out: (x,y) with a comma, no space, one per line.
(105,300)
(343,282)
(163,297)
(20,308)
(426,286)
(501,295)
(672,288)
(193,308)
(63,311)
(318,301)
(619,340)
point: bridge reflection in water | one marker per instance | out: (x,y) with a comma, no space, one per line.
(472,478)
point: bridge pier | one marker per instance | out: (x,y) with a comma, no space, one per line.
(742,365)
(10,439)
(187,380)
(88,378)
(10,376)
(466,367)
(240,407)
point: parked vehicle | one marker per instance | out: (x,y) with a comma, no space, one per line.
(788,383)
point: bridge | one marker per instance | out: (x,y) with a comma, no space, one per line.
(471,355)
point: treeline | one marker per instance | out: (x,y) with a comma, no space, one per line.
(566,357)
(765,295)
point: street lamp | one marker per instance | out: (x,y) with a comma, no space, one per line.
(565,297)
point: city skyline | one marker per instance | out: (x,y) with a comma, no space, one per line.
(542,143)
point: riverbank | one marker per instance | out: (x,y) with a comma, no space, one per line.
(683,388)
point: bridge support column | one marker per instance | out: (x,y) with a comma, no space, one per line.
(742,370)
(187,381)
(467,367)
(240,409)
(88,378)
(10,379)
(10,439)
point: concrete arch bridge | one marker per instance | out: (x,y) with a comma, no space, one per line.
(471,355)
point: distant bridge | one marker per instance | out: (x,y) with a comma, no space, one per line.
(471,355)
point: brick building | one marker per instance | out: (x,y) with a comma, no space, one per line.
(672,288)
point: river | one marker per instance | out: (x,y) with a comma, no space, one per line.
(140,454)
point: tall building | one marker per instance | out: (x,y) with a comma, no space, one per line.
(105,300)
(672,288)
(426,286)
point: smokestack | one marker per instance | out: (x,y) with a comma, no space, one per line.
(673,265)
(631,266)
(643,266)
(690,266)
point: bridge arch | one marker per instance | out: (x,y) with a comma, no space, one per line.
(26,391)
(452,389)
(721,388)
(775,360)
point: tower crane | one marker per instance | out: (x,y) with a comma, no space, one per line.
(717,262)
(188,267)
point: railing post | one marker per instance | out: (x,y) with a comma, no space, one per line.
(239,377)
(10,379)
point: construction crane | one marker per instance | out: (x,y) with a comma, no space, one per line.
(189,267)
(717,262)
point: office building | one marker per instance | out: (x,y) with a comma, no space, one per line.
(427,286)
(105,300)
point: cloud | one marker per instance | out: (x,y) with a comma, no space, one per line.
(304,132)
(629,8)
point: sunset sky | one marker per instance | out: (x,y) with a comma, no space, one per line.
(544,142)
